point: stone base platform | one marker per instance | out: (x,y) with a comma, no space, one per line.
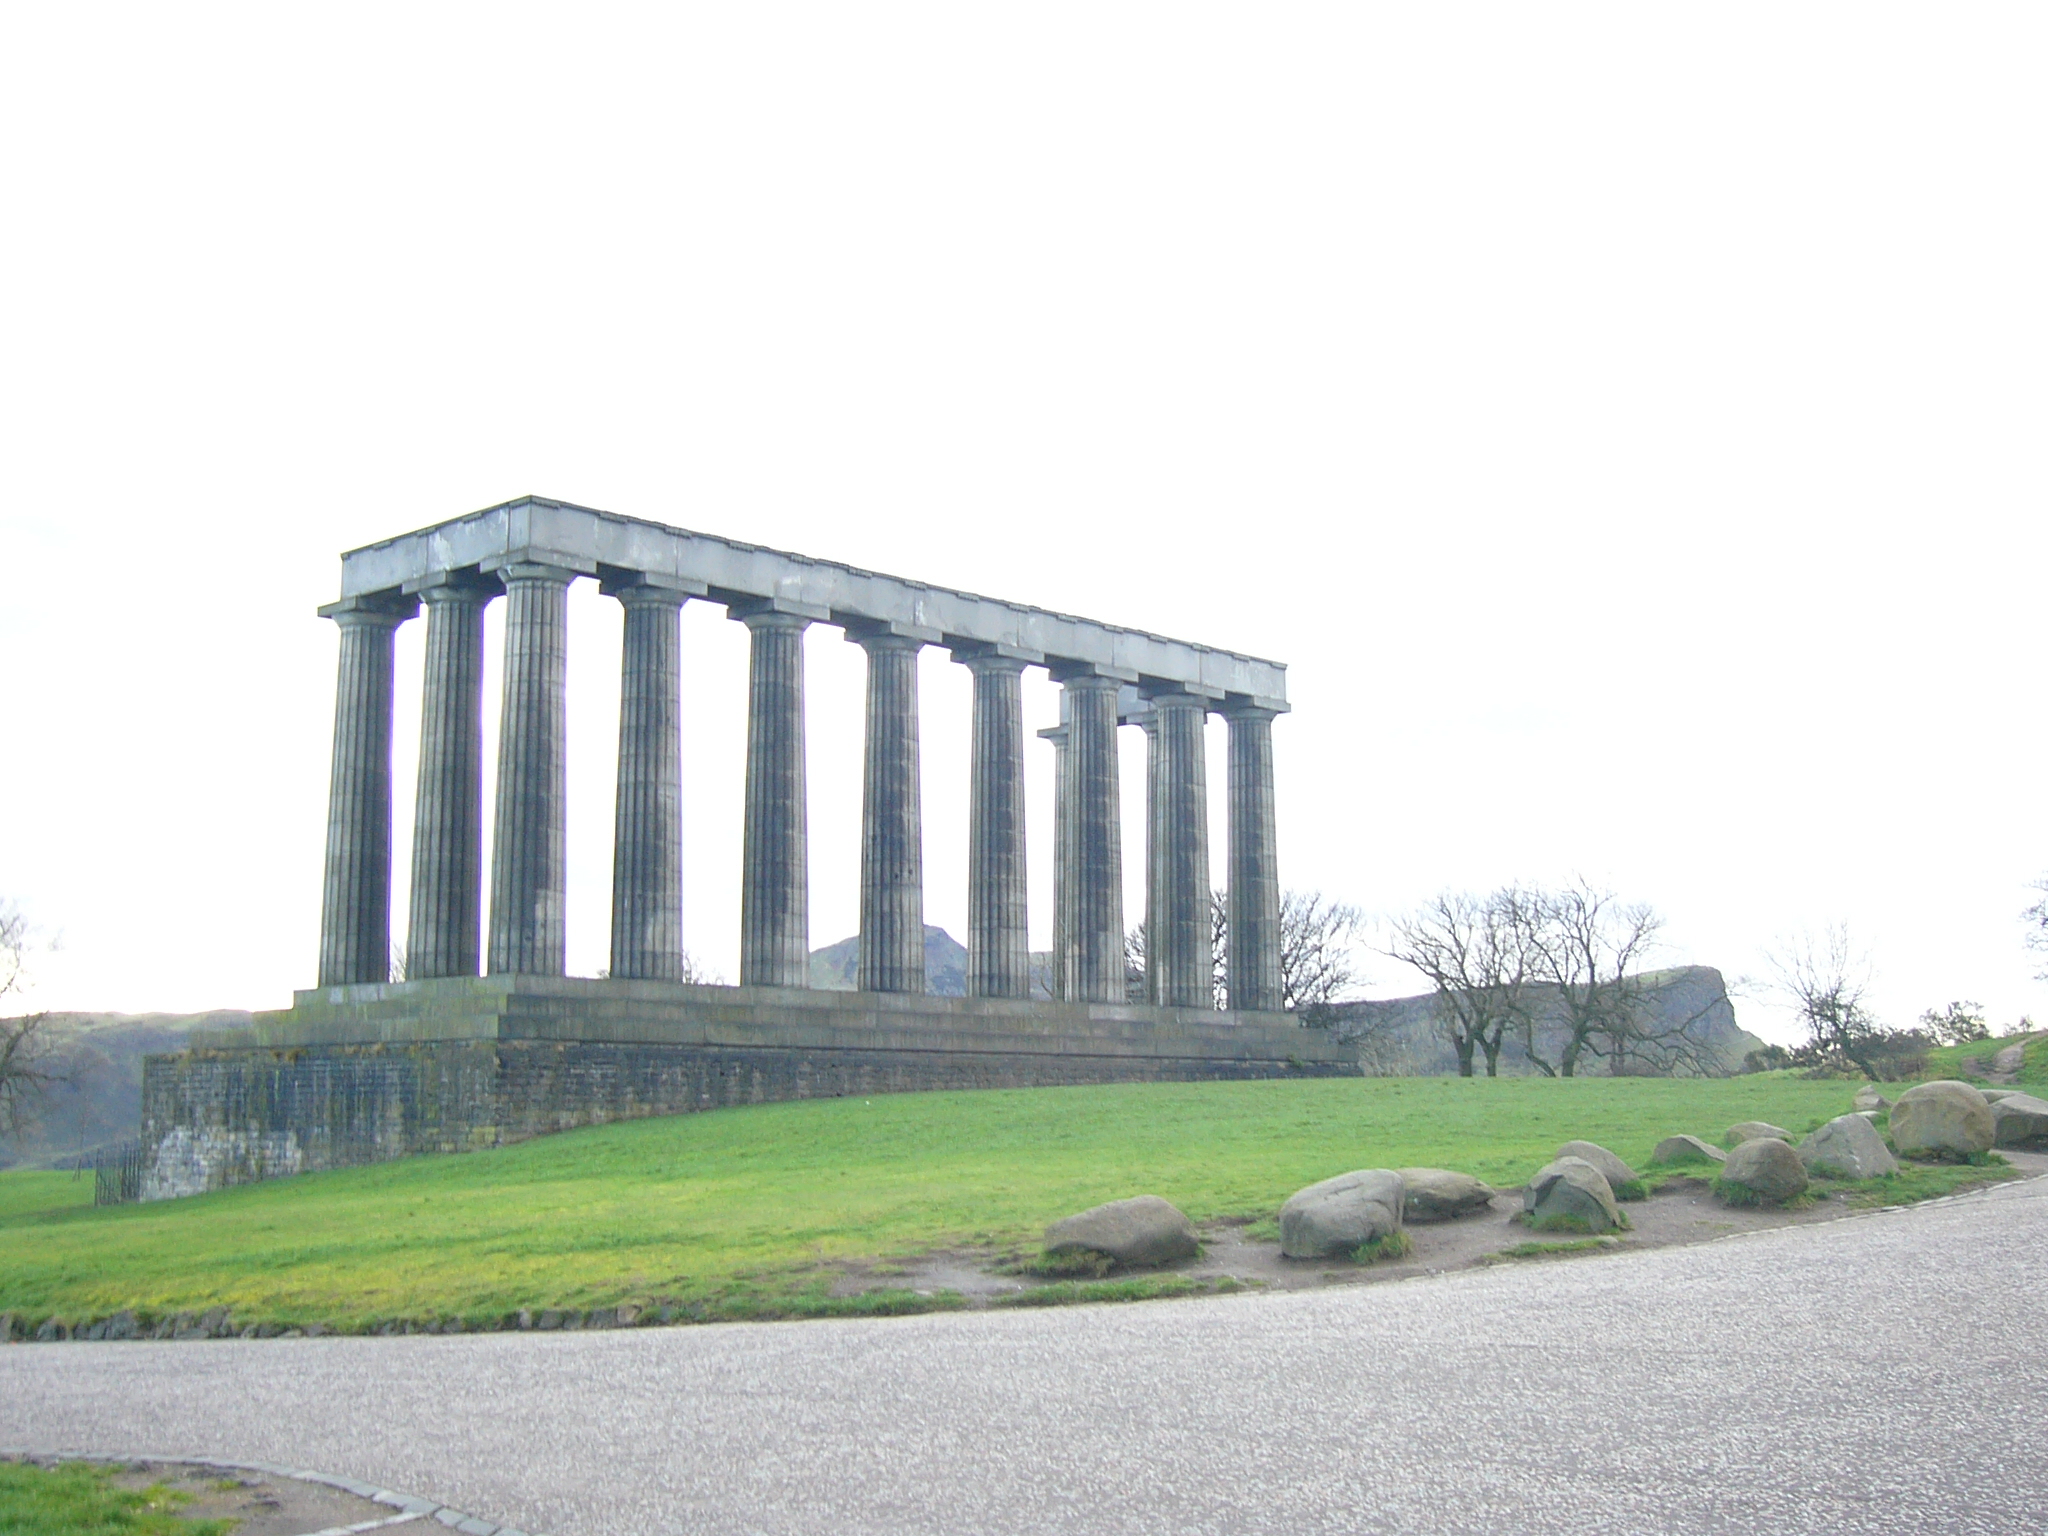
(363,1074)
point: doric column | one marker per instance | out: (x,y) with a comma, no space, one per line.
(1096,841)
(355,910)
(891,820)
(647,824)
(998,917)
(444,927)
(1061,961)
(775,911)
(1177,953)
(1253,961)
(529,886)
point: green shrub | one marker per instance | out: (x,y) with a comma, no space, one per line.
(1064,1293)
(1077,1264)
(1395,1245)
(1555,1250)
(1733,1193)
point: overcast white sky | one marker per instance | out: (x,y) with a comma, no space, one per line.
(1626,422)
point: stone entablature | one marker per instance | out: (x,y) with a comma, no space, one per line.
(535,531)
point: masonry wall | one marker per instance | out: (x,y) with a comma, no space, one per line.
(218,1117)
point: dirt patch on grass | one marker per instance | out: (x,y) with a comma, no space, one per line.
(1684,1209)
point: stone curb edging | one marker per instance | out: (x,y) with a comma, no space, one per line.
(408,1506)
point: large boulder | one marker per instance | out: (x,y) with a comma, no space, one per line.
(1340,1214)
(1612,1169)
(1848,1147)
(1437,1194)
(1993,1095)
(1687,1149)
(1752,1130)
(1765,1169)
(1570,1193)
(1867,1097)
(1135,1233)
(1944,1119)
(2019,1120)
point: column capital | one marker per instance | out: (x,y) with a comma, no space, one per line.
(1090,682)
(1240,706)
(466,583)
(992,657)
(472,592)
(649,587)
(887,635)
(874,644)
(385,609)
(776,613)
(1168,695)
(1065,669)
(532,571)
(642,595)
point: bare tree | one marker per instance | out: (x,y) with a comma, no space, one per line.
(697,973)
(26,1070)
(694,972)
(1826,980)
(1318,955)
(2036,919)
(1134,964)
(1219,947)
(1960,1023)
(1590,947)
(1481,956)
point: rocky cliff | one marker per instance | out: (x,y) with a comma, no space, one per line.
(1401,1035)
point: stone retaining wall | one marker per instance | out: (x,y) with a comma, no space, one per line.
(287,1098)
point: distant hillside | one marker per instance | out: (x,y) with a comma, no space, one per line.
(1406,1037)
(834,967)
(100,1100)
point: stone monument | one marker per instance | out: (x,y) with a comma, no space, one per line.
(487,1039)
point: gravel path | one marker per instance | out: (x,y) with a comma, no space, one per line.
(1885,1373)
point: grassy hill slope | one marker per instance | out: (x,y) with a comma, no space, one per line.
(754,1211)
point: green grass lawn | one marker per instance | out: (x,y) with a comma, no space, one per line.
(23,1194)
(78,1499)
(746,1212)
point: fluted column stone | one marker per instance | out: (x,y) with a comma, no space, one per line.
(891,821)
(1096,874)
(1178,962)
(529,879)
(355,908)
(998,912)
(775,919)
(1253,959)
(647,827)
(1061,963)
(445,916)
